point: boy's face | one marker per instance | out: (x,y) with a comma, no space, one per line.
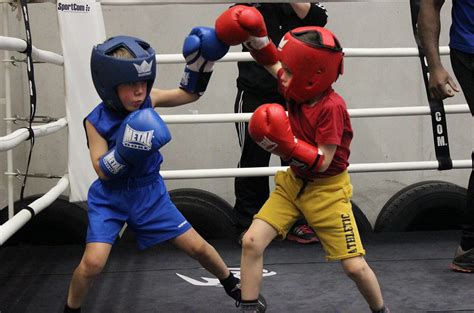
(285,78)
(132,95)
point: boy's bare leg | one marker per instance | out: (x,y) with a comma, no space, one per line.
(195,246)
(254,242)
(93,261)
(199,249)
(360,272)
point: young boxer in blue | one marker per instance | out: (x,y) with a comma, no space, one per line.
(124,136)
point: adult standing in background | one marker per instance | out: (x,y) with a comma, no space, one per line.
(441,86)
(256,87)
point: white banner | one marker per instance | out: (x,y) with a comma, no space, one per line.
(81,26)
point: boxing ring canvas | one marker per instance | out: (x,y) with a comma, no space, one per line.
(411,267)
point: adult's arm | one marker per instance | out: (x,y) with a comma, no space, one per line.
(441,85)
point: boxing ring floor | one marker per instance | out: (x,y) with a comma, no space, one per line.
(412,268)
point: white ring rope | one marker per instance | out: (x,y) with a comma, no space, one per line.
(11,226)
(270,171)
(175,58)
(14,139)
(19,45)
(354,113)
(17,137)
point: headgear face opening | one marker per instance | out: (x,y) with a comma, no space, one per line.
(314,57)
(108,71)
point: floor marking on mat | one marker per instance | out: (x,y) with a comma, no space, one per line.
(214,282)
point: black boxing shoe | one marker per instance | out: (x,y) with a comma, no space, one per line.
(382,310)
(463,261)
(67,309)
(253,306)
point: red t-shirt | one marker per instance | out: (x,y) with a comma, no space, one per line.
(327,122)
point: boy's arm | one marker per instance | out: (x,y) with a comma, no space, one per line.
(328,151)
(243,24)
(97,148)
(132,146)
(270,128)
(274,68)
(201,49)
(171,97)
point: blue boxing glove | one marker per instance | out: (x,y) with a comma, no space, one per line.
(112,164)
(200,49)
(141,134)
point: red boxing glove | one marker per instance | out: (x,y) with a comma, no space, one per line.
(270,128)
(238,23)
(244,24)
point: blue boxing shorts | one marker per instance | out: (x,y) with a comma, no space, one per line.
(144,203)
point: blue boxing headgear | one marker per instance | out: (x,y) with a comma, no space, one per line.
(108,71)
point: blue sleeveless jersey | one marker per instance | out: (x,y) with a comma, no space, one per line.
(462,27)
(107,124)
(140,198)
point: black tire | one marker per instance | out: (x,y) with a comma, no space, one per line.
(210,215)
(424,206)
(363,224)
(61,223)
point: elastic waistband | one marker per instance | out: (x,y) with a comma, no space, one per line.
(342,177)
(131,182)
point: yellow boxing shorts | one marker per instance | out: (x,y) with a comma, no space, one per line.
(325,203)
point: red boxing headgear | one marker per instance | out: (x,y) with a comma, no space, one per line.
(315,59)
